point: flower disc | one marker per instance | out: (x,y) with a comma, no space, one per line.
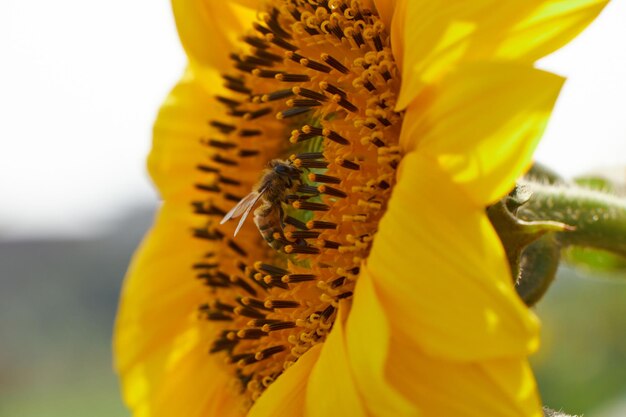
(315,85)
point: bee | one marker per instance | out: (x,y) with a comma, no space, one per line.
(278,182)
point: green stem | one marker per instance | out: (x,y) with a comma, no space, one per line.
(598,218)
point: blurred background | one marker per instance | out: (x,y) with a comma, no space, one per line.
(80,83)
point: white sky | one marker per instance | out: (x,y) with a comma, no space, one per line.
(80,83)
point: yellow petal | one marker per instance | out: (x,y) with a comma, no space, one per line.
(152,294)
(443,388)
(443,33)
(172,393)
(157,338)
(482,124)
(332,389)
(182,123)
(367,342)
(385,9)
(553,24)
(176,150)
(441,273)
(209,29)
(251,4)
(440,35)
(428,38)
(286,396)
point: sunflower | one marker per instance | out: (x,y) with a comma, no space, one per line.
(384,290)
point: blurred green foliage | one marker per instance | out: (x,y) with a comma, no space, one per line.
(57,305)
(582,361)
(598,260)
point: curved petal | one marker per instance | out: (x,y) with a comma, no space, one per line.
(482,123)
(444,33)
(332,389)
(208,29)
(550,26)
(153,359)
(367,342)
(441,273)
(176,151)
(442,388)
(182,123)
(438,34)
(286,396)
(209,395)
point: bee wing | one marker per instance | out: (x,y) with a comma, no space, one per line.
(245,216)
(243,204)
(243,209)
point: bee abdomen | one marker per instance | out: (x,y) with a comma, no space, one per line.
(268,221)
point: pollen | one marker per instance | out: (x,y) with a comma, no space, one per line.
(314,84)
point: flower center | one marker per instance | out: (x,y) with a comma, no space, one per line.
(316,86)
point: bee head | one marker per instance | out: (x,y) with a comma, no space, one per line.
(285,168)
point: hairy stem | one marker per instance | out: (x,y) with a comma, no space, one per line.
(598,218)
(551,413)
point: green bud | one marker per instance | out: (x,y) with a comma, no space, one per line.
(546,220)
(516,233)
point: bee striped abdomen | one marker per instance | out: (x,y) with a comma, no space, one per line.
(268,221)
